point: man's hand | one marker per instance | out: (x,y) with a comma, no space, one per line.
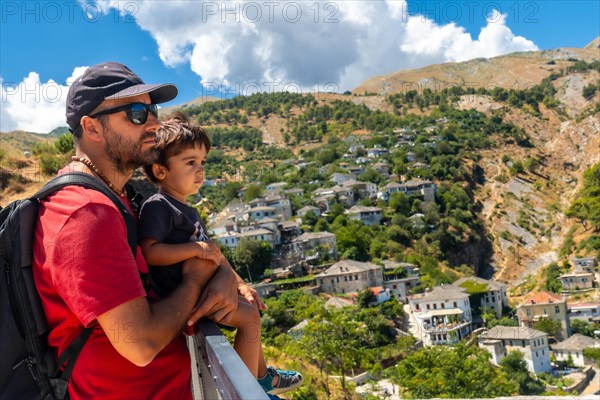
(209,251)
(219,299)
(251,295)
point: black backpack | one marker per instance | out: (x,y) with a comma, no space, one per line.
(28,369)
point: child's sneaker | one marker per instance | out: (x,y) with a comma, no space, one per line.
(288,380)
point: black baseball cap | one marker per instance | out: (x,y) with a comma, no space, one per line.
(106,81)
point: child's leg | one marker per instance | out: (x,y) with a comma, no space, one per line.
(247,338)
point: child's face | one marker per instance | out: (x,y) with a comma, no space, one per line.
(184,173)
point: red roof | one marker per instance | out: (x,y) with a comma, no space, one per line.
(544,298)
(376,290)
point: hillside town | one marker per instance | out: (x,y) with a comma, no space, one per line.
(438,316)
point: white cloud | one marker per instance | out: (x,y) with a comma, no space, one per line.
(34,106)
(272,45)
(343,42)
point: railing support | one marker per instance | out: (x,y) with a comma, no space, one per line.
(218,373)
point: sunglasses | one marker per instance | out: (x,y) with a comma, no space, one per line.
(137,113)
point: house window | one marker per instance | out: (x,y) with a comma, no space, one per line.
(556,309)
(443,305)
(455,305)
(434,306)
(528,312)
(536,354)
(543,352)
(522,343)
(428,306)
(394,286)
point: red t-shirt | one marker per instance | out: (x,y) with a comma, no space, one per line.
(83,267)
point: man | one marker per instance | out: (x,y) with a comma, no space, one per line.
(84,269)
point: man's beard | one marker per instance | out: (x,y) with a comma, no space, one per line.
(127,155)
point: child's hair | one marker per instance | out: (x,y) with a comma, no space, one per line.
(175,135)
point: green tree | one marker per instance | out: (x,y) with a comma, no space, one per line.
(593,353)
(516,369)
(400,203)
(333,339)
(586,207)
(65,143)
(365,298)
(231,190)
(252,192)
(582,327)
(461,372)
(252,257)
(548,325)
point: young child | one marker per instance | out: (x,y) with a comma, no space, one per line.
(171,232)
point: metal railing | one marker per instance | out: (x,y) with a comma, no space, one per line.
(218,373)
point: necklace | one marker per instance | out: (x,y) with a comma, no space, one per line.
(90,165)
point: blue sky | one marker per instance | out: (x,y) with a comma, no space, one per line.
(246,46)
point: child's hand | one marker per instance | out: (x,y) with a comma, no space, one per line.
(209,251)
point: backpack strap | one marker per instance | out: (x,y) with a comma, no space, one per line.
(60,381)
(90,182)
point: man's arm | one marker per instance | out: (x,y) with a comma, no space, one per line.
(139,330)
(219,300)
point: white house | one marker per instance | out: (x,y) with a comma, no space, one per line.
(573,348)
(377,152)
(501,340)
(368,215)
(443,315)
(381,293)
(261,234)
(494,295)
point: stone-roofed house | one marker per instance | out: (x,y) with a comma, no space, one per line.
(368,215)
(382,168)
(294,192)
(306,209)
(337,302)
(365,189)
(276,186)
(586,311)
(584,263)
(311,240)
(501,340)
(230,239)
(339,178)
(573,348)
(493,297)
(349,276)
(255,214)
(443,315)
(545,305)
(576,281)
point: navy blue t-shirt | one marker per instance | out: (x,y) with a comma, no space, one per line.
(172,222)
